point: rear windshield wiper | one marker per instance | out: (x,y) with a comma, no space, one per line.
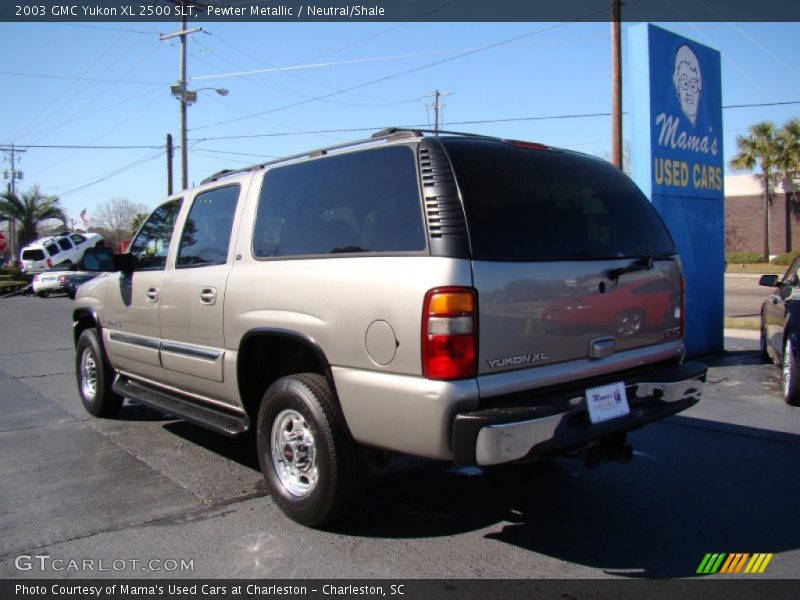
(644,263)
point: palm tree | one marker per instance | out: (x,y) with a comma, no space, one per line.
(28,211)
(789,163)
(760,148)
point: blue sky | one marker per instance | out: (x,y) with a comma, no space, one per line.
(108,84)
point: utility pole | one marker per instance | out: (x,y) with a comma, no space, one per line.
(14,174)
(184,96)
(616,85)
(436,106)
(169,164)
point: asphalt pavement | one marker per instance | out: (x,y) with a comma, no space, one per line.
(720,477)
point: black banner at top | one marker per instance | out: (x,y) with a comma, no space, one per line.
(395,10)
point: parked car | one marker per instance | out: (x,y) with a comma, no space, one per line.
(49,282)
(70,282)
(63,249)
(386,295)
(780,328)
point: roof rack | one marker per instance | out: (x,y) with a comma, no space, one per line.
(384,135)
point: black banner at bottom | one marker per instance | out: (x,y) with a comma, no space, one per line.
(434,589)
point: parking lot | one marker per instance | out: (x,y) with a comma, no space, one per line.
(721,477)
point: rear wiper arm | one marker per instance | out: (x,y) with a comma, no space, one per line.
(644,263)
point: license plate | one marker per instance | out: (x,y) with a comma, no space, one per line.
(607,402)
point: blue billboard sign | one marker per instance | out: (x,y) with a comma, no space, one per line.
(678,162)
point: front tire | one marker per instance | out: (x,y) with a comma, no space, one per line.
(315,473)
(791,375)
(95,377)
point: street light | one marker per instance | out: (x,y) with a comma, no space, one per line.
(187,97)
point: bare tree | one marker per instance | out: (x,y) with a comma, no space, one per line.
(115,218)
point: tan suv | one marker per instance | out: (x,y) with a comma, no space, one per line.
(452,296)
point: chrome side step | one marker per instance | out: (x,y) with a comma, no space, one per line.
(186,408)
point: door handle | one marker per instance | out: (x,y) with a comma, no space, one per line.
(152,294)
(208,296)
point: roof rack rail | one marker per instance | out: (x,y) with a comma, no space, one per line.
(387,134)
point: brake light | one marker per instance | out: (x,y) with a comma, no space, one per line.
(527,145)
(62,280)
(450,333)
(49,263)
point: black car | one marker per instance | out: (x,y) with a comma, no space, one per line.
(780,328)
(70,282)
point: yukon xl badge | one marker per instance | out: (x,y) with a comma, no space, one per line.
(512,361)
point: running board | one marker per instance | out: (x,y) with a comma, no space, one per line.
(183,407)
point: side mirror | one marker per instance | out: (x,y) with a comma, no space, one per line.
(768,281)
(98,260)
(103,260)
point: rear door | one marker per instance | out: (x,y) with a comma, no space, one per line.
(193,293)
(570,260)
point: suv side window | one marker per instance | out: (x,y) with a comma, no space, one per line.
(52,249)
(366,201)
(152,244)
(207,233)
(65,244)
(77,238)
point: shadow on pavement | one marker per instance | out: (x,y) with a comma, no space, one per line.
(689,490)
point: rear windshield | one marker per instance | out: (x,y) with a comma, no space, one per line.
(33,255)
(534,204)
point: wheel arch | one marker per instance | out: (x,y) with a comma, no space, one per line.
(266,354)
(82,319)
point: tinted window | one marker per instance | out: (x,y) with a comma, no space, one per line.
(77,239)
(52,249)
(360,202)
(65,244)
(533,204)
(151,245)
(33,255)
(207,232)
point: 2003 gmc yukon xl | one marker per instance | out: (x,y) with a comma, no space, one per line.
(457,297)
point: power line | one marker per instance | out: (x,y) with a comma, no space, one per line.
(406,72)
(69,78)
(86,147)
(360,129)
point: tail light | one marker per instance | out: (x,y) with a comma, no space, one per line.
(62,280)
(49,263)
(450,333)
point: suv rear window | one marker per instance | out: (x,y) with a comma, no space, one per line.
(366,201)
(535,204)
(33,255)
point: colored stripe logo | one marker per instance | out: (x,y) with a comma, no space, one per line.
(736,562)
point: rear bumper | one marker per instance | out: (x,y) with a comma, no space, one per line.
(555,425)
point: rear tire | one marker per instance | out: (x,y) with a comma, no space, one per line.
(95,377)
(315,473)
(791,374)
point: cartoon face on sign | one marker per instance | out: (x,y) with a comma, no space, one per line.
(688,82)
